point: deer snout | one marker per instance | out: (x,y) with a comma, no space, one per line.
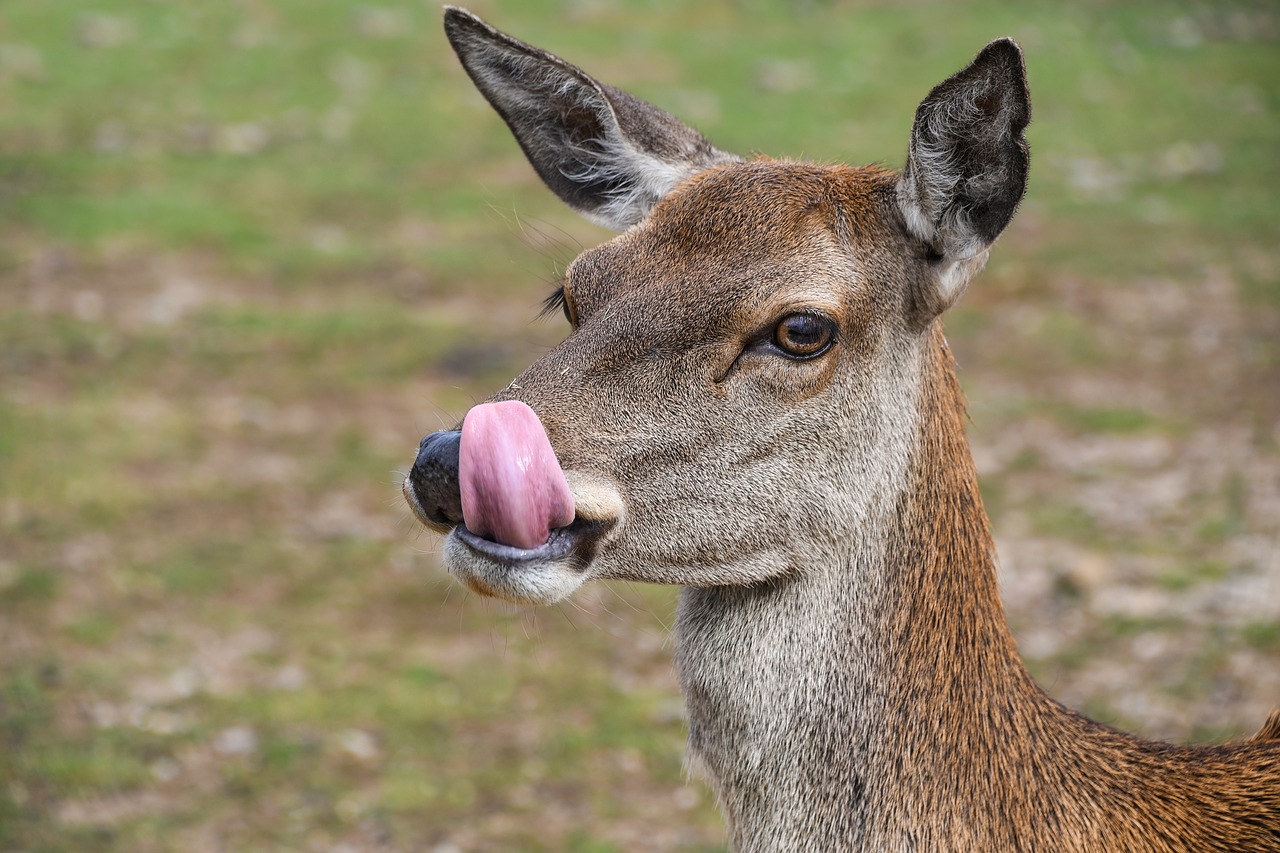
(497,486)
(519,526)
(498,477)
(432,488)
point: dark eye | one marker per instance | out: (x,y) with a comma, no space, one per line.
(803,335)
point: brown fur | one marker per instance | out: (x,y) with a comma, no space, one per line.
(1270,729)
(1031,775)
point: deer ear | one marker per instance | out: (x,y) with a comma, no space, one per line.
(607,154)
(966,168)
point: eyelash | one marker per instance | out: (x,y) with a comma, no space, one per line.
(555,301)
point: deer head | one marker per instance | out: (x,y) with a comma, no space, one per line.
(741,386)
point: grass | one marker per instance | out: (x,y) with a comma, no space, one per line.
(249,254)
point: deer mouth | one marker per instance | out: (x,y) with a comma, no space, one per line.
(574,543)
(517,527)
(543,574)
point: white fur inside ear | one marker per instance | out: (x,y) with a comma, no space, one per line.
(635,179)
(917,209)
(964,253)
(640,181)
(953,277)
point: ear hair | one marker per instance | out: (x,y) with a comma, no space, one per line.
(607,154)
(967,166)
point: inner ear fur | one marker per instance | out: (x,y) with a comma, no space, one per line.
(607,154)
(967,167)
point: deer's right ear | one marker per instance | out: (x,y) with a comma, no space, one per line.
(607,154)
(966,168)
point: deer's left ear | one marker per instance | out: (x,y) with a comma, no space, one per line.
(966,169)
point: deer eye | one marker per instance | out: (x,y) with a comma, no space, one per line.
(803,335)
(558,298)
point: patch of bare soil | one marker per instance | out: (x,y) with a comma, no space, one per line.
(1141,564)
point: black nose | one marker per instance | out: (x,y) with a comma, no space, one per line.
(434,477)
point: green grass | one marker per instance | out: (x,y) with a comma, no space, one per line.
(249,254)
(236,151)
(1181,578)
(1263,635)
(1115,420)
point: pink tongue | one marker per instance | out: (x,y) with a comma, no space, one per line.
(513,490)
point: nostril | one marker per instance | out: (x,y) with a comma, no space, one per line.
(434,477)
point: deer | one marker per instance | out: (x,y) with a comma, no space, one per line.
(756,402)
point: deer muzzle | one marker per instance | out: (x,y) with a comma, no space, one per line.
(497,476)
(519,527)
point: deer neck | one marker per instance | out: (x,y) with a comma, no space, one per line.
(817,687)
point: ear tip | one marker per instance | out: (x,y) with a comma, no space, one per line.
(458,13)
(459,21)
(1004,43)
(1005,52)
(1005,57)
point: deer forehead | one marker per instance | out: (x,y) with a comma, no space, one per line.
(743,241)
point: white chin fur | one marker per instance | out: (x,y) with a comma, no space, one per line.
(543,582)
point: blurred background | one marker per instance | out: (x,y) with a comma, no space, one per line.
(250,252)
